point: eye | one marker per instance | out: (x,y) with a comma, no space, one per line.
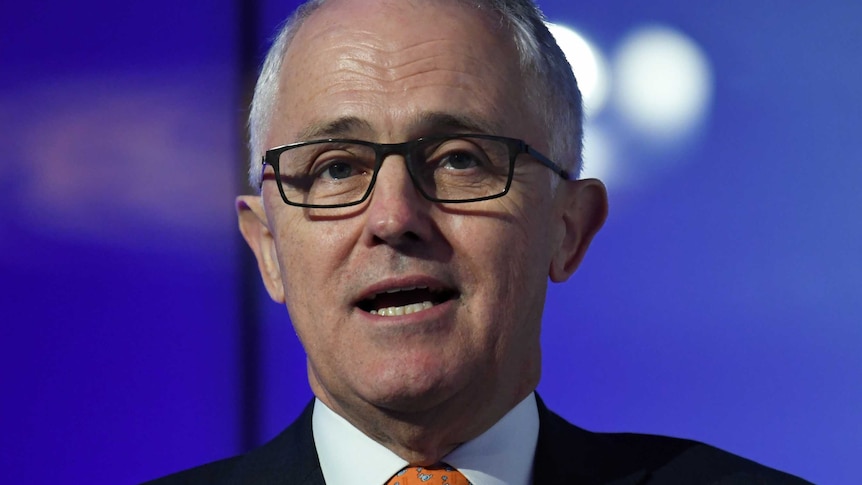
(337,171)
(336,165)
(458,155)
(460,160)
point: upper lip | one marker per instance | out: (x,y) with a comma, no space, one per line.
(404,283)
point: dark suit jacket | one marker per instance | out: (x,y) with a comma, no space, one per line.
(565,455)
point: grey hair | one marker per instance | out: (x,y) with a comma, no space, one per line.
(552,89)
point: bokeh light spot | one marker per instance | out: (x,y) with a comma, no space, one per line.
(588,64)
(598,155)
(663,83)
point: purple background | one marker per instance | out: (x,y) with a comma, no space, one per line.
(721,302)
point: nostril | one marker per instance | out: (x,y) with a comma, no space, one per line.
(408,236)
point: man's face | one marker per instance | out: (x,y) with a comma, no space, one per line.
(389,72)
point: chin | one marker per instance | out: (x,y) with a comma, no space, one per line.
(411,402)
(414,393)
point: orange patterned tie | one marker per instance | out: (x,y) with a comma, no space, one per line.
(435,475)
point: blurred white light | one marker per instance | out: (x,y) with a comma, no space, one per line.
(663,82)
(598,155)
(588,64)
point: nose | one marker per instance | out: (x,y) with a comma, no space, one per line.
(397,213)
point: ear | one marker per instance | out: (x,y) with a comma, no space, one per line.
(583,206)
(255,229)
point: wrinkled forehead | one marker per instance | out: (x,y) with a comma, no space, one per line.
(398,30)
(353,55)
(387,15)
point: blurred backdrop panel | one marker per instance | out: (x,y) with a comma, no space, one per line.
(723,299)
(118,252)
(721,302)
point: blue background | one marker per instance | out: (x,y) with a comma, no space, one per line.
(721,302)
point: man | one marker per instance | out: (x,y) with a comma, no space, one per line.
(409,220)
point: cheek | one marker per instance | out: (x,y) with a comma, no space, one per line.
(524,259)
(310,254)
(305,245)
(507,264)
(518,242)
(309,259)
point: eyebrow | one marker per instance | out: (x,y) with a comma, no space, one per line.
(337,128)
(426,124)
(434,122)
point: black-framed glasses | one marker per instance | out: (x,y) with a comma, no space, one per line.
(459,168)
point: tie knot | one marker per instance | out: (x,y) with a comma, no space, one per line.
(441,474)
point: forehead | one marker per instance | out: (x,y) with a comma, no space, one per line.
(391,66)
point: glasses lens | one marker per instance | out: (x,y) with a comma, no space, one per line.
(326,173)
(464,168)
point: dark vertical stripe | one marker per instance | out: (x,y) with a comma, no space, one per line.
(249,313)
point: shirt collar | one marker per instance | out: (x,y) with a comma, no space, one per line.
(347,455)
(502,455)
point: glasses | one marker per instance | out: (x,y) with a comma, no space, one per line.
(334,173)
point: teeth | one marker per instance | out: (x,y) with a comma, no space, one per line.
(402,310)
(409,288)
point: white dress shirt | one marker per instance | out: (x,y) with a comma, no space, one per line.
(502,455)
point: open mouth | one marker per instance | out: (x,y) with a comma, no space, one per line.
(404,301)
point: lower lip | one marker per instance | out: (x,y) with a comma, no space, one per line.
(435,314)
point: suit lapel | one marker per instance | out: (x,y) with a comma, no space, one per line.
(288,459)
(571,455)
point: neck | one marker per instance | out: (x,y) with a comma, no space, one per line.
(424,437)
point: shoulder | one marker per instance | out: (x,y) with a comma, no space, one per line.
(213,473)
(289,458)
(568,454)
